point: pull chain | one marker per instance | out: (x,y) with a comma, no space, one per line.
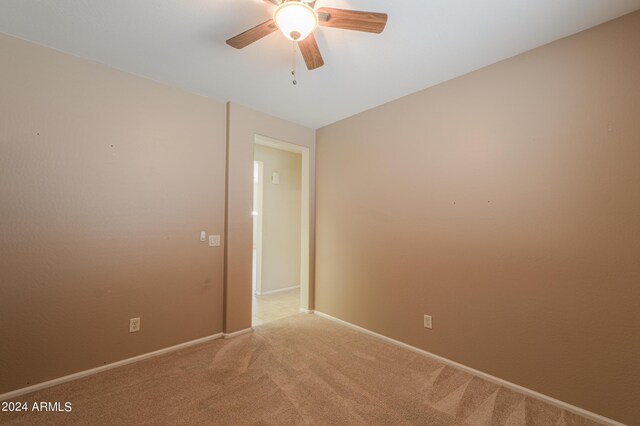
(293,65)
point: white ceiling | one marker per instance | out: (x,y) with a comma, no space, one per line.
(181,43)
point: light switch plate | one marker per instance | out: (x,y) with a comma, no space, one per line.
(214,240)
(203,236)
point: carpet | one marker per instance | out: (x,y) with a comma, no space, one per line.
(298,370)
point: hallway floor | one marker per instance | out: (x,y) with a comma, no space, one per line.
(275,306)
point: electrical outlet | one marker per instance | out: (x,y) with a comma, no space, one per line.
(428,322)
(134,325)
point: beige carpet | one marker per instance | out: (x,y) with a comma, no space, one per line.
(298,370)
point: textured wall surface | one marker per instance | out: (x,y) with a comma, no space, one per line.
(505,203)
(106,180)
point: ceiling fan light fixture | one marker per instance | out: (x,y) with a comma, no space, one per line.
(296,20)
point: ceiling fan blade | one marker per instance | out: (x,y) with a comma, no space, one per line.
(370,22)
(254,34)
(311,52)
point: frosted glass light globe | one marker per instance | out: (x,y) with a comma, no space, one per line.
(296,20)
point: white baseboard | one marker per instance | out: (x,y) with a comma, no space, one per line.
(306,311)
(237,333)
(488,377)
(80,374)
(278,290)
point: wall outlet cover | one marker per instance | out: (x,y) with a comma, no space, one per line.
(134,325)
(428,322)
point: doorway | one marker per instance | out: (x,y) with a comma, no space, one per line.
(280,278)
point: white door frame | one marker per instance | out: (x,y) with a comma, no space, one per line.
(305,209)
(257,227)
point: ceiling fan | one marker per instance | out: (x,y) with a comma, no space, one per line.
(298,19)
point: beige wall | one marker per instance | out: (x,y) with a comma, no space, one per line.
(243,125)
(106,180)
(505,203)
(280,218)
